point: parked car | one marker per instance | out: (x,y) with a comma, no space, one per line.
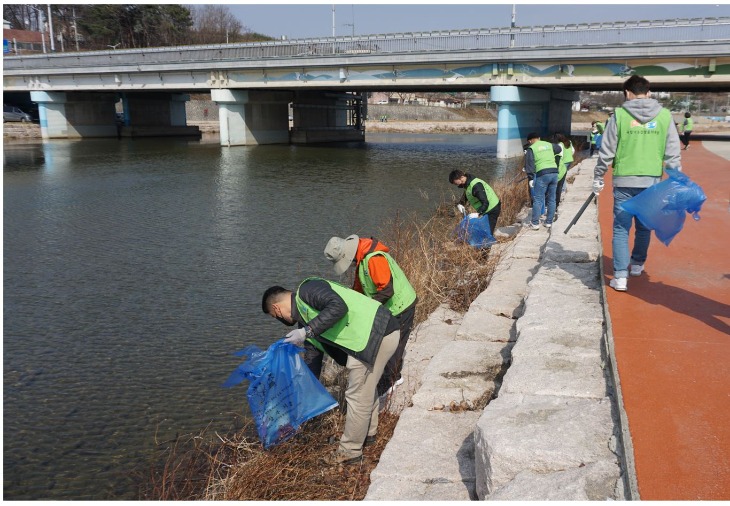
(12,113)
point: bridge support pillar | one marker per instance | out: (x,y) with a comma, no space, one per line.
(75,115)
(327,117)
(248,118)
(523,110)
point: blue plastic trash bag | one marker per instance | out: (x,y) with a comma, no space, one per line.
(475,232)
(662,207)
(282,393)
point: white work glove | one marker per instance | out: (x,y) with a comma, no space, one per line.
(296,337)
(532,183)
(597,185)
(474,215)
(461,209)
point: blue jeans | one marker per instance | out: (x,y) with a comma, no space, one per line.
(622,221)
(545,184)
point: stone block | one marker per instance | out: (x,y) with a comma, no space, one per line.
(481,325)
(439,447)
(542,434)
(462,371)
(404,489)
(596,481)
(571,248)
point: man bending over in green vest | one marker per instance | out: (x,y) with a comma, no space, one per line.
(380,278)
(479,194)
(333,317)
(640,140)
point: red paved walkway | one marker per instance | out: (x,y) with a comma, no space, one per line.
(672,342)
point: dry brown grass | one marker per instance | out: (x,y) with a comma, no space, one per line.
(236,467)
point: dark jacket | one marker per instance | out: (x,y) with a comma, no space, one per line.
(319,295)
(478,191)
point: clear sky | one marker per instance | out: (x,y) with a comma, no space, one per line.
(308,20)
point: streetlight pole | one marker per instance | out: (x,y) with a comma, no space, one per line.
(512,26)
(76,32)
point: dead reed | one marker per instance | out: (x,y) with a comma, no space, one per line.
(235,467)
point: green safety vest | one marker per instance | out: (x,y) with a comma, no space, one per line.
(688,124)
(565,160)
(475,202)
(403,293)
(352,331)
(641,146)
(544,156)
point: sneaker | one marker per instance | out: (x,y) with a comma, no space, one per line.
(337,459)
(548,225)
(534,227)
(391,389)
(370,440)
(636,270)
(619,284)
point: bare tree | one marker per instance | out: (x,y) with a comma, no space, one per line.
(215,24)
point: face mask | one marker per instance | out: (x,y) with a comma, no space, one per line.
(462,185)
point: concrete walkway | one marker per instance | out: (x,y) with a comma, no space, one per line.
(671,332)
(536,338)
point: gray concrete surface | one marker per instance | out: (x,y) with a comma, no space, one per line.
(535,340)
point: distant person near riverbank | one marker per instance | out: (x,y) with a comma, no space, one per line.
(379,277)
(542,171)
(563,161)
(638,162)
(479,195)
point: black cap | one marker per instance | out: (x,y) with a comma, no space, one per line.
(533,135)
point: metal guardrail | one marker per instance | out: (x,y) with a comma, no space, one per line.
(553,36)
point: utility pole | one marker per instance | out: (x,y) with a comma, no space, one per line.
(512,26)
(50,29)
(76,32)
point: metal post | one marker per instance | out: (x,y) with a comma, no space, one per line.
(43,40)
(76,32)
(50,29)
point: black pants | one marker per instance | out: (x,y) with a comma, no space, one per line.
(393,368)
(559,190)
(685,137)
(493,215)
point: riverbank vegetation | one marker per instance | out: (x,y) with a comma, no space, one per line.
(234,466)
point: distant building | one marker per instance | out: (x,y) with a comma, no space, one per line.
(21,41)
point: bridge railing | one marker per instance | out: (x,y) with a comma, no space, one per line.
(595,34)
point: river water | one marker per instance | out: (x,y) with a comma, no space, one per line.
(133,268)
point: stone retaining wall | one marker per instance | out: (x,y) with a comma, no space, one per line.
(535,340)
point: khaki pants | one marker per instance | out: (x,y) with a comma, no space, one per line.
(362,398)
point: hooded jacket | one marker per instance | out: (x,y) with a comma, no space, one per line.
(644,110)
(377,267)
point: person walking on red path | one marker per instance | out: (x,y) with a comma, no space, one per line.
(639,141)
(379,277)
(331,316)
(687,127)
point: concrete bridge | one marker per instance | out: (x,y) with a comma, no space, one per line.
(533,75)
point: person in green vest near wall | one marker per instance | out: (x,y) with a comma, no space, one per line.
(687,127)
(479,195)
(640,140)
(379,277)
(542,172)
(333,317)
(564,161)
